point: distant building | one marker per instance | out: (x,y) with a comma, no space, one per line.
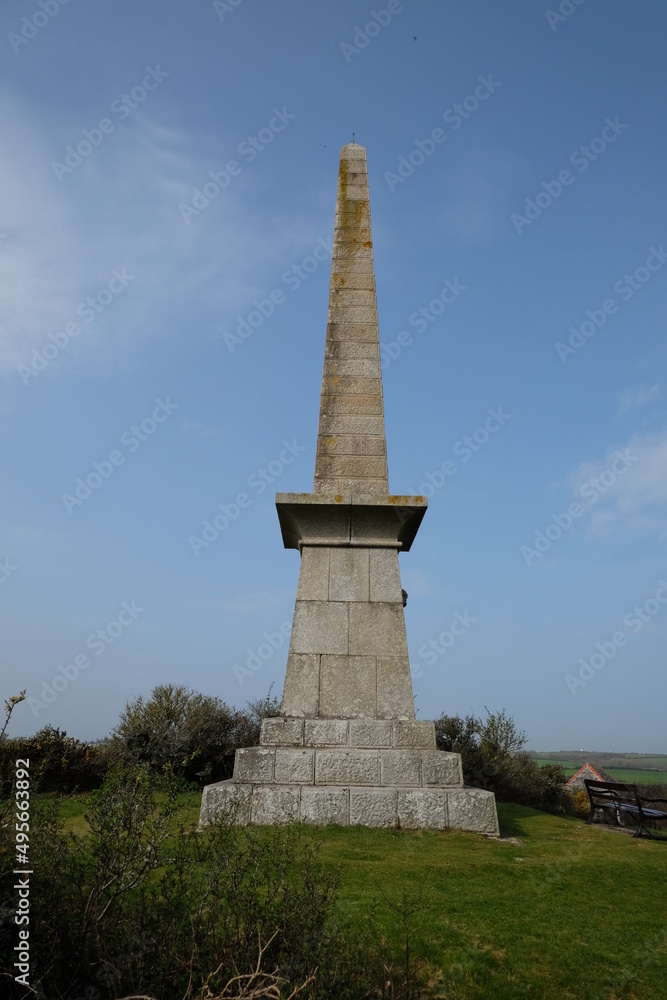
(587,772)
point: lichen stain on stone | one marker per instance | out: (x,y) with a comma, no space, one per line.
(338,498)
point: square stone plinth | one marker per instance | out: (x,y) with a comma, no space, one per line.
(422,809)
(325,805)
(472,809)
(273,805)
(375,807)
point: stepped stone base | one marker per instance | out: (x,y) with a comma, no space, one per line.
(372,772)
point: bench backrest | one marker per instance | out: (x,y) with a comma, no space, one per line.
(611,791)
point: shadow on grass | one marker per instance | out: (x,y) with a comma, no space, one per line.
(512,819)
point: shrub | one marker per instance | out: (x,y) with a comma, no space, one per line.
(492,757)
(58,762)
(194,734)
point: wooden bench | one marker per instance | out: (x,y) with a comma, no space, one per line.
(626,799)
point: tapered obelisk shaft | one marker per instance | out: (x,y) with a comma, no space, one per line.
(351,449)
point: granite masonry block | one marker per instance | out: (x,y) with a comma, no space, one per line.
(418,735)
(347,686)
(314,574)
(377,629)
(364,281)
(441,768)
(351,444)
(319,627)
(375,807)
(394,688)
(348,296)
(281,732)
(472,809)
(347,767)
(254,764)
(274,804)
(353,405)
(294,767)
(385,579)
(301,692)
(348,574)
(325,805)
(342,423)
(400,767)
(354,385)
(422,809)
(325,732)
(224,799)
(370,733)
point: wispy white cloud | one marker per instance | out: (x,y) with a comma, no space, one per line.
(630,399)
(120,209)
(633,501)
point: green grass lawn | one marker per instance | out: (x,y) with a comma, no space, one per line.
(566,911)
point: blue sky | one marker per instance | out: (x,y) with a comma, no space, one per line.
(516,154)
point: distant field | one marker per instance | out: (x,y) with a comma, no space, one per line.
(632,774)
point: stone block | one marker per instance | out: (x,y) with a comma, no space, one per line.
(314,574)
(325,732)
(472,809)
(365,281)
(375,807)
(351,444)
(385,579)
(370,733)
(294,767)
(347,767)
(395,699)
(274,805)
(343,385)
(347,296)
(254,764)
(342,267)
(377,629)
(227,801)
(325,805)
(352,367)
(347,686)
(364,405)
(348,574)
(441,768)
(319,627)
(401,767)
(301,693)
(418,735)
(281,732)
(351,424)
(422,809)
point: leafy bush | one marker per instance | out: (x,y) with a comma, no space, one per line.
(196,735)
(492,757)
(141,906)
(58,762)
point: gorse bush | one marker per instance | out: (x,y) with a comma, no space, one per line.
(58,762)
(196,735)
(492,757)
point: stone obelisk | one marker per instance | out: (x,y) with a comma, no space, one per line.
(346,747)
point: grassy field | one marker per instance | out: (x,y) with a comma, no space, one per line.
(555,910)
(635,775)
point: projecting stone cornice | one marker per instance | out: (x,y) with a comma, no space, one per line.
(349,520)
